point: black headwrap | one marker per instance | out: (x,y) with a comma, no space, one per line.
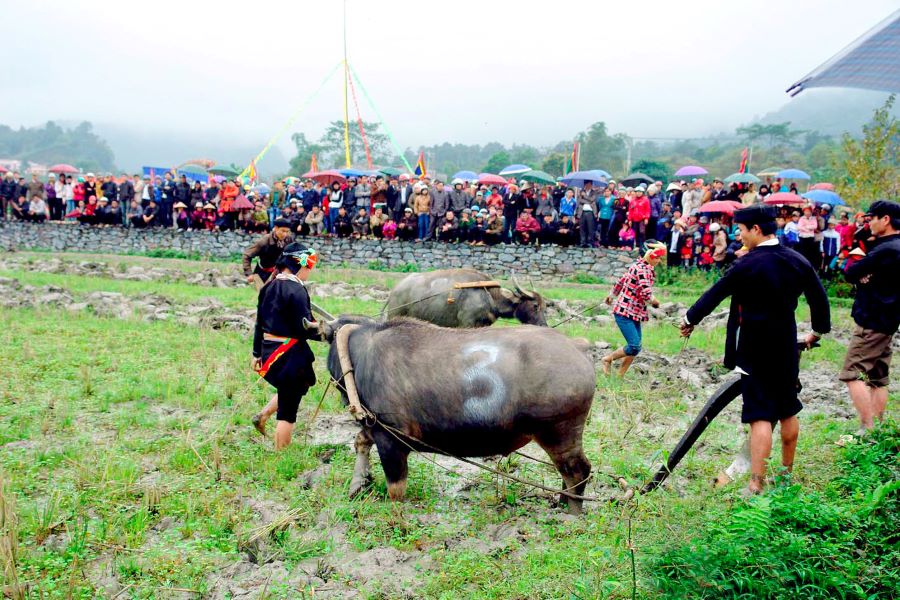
(755,215)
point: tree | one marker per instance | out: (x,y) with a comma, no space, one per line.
(599,150)
(659,171)
(554,163)
(775,133)
(54,144)
(871,171)
(305,150)
(332,144)
(497,162)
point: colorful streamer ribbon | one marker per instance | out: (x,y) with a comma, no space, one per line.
(291,121)
(387,130)
(362,131)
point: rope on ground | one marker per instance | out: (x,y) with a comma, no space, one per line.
(576,315)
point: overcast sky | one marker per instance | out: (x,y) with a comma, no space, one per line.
(462,71)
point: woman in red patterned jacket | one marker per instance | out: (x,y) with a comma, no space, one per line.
(629,298)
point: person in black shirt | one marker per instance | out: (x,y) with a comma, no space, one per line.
(761,337)
(876,311)
(281,355)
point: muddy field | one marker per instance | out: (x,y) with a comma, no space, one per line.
(299,536)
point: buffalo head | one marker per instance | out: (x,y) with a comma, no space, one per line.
(530,307)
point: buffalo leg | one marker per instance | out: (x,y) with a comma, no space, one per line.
(393,455)
(574,467)
(361,474)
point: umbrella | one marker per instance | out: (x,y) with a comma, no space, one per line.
(822,186)
(218,178)
(326,177)
(60,168)
(391,171)
(579,178)
(636,179)
(515,170)
(690,170)
(309,175)
(291,179)
(721,206)
(602,173)
(466,175)
(3,169)
(350,172)
(824,197)
(491,179)
(191,169)
(223,170)
(793,174)
(770,172)
(784,198)
(539,177)
(742,178)
(241,203)
(261,189)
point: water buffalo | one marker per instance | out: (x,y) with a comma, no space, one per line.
(466,392)
(431,297)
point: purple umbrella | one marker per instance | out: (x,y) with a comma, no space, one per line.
(690,171)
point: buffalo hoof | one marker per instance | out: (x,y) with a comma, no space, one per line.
(574,509)
(358,484)
(259,423)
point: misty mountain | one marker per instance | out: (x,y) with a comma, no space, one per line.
(829,111)
(134,148)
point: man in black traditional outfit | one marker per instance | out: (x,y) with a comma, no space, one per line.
(761,341)
(266,250)
(280,352)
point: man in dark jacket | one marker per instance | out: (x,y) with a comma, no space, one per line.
(459,199)
(512,204)
(166,200)
(183,191)
(266,250)
(440,204)
(7,192)
(761,339)
(109,188)
(876,312)
(126,190)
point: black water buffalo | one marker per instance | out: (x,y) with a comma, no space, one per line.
(432,297)
(466,392)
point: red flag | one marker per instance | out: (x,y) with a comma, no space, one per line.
(314,164)
(745,163)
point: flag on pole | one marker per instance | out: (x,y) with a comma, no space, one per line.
(314,164)
(745,163)
(421,171)
(251,171)
(571,161)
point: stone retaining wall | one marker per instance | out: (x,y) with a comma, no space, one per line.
(549,261)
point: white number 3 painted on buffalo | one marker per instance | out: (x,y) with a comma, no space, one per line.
(485,389)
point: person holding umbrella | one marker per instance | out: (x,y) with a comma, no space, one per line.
(586,214)
(629,299)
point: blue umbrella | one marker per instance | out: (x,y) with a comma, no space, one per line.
(514,170)
(602,173)
(792,174)
(465,175)
(348,172)
(579,178)
(824,197)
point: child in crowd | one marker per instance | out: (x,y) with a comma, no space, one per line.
(389,229)
(792,231)
(627,235)
(705,260)
(687,253)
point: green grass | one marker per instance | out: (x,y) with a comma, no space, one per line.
(132,448)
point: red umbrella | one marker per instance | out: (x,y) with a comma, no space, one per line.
(491,179)
(309,175)
(785,198)
(328,177)
(62,168)
(3,170)
(822,186)
(241,203)
(721,206)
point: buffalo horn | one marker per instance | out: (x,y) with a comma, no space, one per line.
(310,325)
(321,311)
(343,352)
(518,288)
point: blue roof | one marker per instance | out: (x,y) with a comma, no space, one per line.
(872,62)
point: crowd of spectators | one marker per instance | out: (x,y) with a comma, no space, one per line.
(418,209)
